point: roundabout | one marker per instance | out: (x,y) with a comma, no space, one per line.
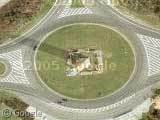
(87,81)
(52,62)
(85,67)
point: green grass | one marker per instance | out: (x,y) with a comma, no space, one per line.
(147,18)
(77,4)
(27,24)
(2,68)
(119,61)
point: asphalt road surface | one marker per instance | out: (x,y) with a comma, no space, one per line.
(37,94)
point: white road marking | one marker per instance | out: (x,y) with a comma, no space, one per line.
(17,74)
(75,11)
(152,47)
(64,2)
(101,109)
(88,2)
(106,2)
(36,113)
(137,112)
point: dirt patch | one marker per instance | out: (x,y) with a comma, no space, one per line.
(149,7)
(3,2)
(16,13)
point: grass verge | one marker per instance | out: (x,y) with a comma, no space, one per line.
(2,68)
(146,18)
(77,4)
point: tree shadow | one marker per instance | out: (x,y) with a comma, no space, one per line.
(52,50)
